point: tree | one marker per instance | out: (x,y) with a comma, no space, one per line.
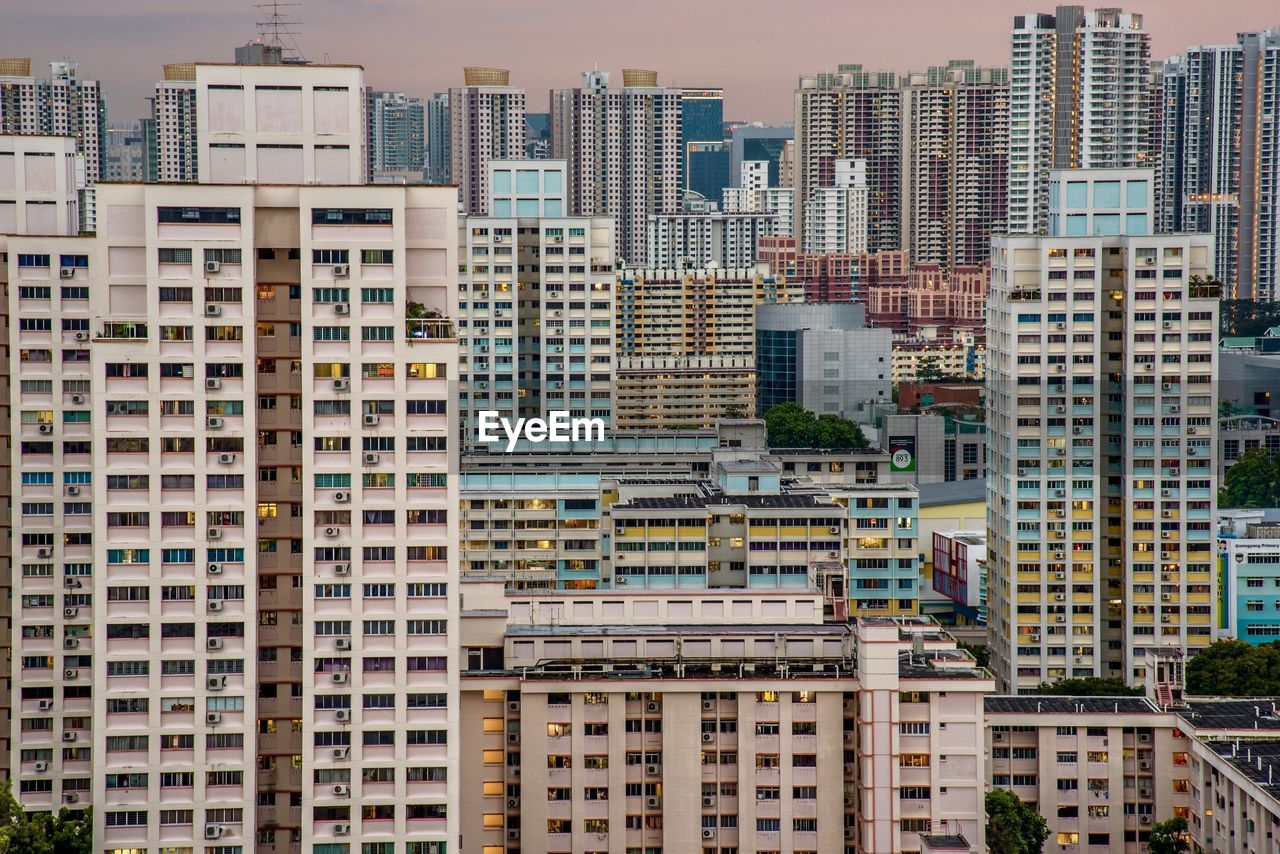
(790,425)
(1252,481)
(42,833)
(1012,826)
(1233,668)
(1092,686)
(1169,837)
(981,654)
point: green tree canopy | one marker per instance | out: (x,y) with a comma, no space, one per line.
(1236,669)
(1012,826)
(1169,837)
(789,425)
(42,833)
(1252,481)
(1092,686)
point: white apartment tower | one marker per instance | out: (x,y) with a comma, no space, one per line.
(172,139)
(623,148)
(39,185)
(1102,413)
(835,217)
(486,120)
(535,301)
(1078,98)
(63,104)
(236,514)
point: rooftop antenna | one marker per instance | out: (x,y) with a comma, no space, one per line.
(274,28)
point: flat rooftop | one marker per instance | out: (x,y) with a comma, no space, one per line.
(1032,704)
(1257,760)
(784,630)
(1232,713)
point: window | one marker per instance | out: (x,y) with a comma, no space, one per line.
(351,216)
(206,216)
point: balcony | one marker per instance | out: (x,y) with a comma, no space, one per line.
(429,329)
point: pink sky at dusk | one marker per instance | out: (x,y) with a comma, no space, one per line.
(755,49)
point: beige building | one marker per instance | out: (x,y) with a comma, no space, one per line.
(39,187)
(741,723)
(486,116)
(223,398)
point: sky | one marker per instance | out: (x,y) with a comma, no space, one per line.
(755,49)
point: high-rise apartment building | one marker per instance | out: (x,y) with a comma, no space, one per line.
(1220,169)
(1102,413)
(835,217)
(172,139)
(1079,88)
(486,122)
(236,506)
(957,132)
(64,104)
(439,158)
(535,301)
(852,114)
(625,152)
(396,125)
(686,345)
(705,240)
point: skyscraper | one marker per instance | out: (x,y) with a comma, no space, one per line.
(486,121)
(172,140)
(397,132)
(64,104)
(191,606)
(623,149)
(439,158)
(957,139)
(1101,418)
(1221,171)
(126,153)
(1078,90)
(702,133)
(852,114)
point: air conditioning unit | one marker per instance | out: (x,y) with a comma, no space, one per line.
(1166,492)
(1191,431)
(708,737)
(67,273)
(513,738)
(213,422)
(41,767)
(1060,325)
(651,707)
(214,569)
(1168,324)
(213,534)
(1035,638)
(1148,367)
(341,830)
(341,752)
(1144,819)
(1059,575)
(332,532)
(341,271)
(1166,597)
(212,384)
(513,834)
(81,336)
(212,831)
(1191,452)
(68,736)
(44,551)
(338,678)
(341,643)
(71,797)
(72,489)
(513,803)
(341,384)
(1164,535)
(342,716)
(342,569)
(226,459)
(44,705)
(70,612)
(1144,765)
(1022,472)
(341,790)
(213,311)
(371,459)
(1060,619)
(652,803)
(708,801)
(213,718)
(371,420)
(513,707)
(71,643)
(652,770)
(45,429)
(1166,513)
(1077,430)
(71,581)
(214,643)
(1060,597)
(214,605)
(1061,409)
(213,266)
(708,705)
(341,497)
(708,833)
(215,683)
(71,673)
(341,308)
